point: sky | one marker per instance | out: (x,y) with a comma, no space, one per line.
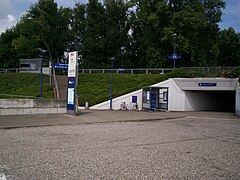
(12,10)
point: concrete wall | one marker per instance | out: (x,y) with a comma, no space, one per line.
(199,101)
(237,110)
(116,103)
(31,106)
(31,103)
(185,95)
(176,97)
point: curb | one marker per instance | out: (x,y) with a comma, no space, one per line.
(89,123)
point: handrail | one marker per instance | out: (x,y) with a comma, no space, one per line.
(20,96)
(55,83)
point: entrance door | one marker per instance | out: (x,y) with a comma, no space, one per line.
(153,101)
(163,98)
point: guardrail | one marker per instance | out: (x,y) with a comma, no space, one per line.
(127,71)
(205,70)
(19,96)
(209,70)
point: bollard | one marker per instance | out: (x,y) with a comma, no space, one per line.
(86,105)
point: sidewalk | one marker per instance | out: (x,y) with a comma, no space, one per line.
(91,117)
(84,117)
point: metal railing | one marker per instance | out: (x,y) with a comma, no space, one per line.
(19,96)
(127,71)
(210,70)
(204,70)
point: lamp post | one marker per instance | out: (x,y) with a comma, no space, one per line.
(112,61)
(174,51)
(41,64)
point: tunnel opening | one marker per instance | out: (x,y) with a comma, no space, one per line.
(222,101)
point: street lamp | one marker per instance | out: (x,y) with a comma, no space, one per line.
(174,51)
(112,61)
(41,64)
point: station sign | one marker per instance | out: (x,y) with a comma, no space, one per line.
(60,66)
(72,83)
(207,84)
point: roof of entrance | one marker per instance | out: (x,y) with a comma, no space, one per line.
(206,84)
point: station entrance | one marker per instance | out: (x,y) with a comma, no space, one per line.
(223,101)
(155,98)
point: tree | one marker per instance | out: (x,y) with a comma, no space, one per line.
(116,29)
(94,40)
(229,45)
(44,26)
(8,55)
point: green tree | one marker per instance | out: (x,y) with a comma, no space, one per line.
(116,29)
(44,26)
(229,44)
(8,55)
(94,39)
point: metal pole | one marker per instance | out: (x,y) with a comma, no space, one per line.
(50,73)
(174,52)
(112,60)
(41,64)
(41,76)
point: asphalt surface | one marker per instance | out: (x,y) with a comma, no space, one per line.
(116,145)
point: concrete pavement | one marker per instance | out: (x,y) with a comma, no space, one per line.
(202,145)
(91,116)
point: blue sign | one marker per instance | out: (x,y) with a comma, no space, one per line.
(121,69)
(60,66)
(207,84)
(174,57)
(134,99)
(153,101)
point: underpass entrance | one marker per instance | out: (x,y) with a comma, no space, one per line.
(223,101)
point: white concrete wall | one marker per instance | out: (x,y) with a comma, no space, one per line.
(176,97)
(179,99)
(116,102)
(198,101)
(237,110)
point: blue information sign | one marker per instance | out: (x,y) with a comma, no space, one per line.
(207,84)
(174,57)
(134,99)
(60,66)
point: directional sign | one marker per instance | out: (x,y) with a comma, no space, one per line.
(174,57)
(121,69)
(207,84)
(61,66)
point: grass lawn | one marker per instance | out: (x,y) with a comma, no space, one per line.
(24,84)
(92,88)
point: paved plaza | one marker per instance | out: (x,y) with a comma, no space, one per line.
(121,145)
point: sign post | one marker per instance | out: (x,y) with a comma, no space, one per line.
(72,83)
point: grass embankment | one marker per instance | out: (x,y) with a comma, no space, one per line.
(92,88)
(95,88)
(24,84)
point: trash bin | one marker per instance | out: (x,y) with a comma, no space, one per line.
(86,105)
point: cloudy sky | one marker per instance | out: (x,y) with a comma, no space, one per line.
(12,10)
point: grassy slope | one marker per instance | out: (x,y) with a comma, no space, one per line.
(93,88)
(25,84)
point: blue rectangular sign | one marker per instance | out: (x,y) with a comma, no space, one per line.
(207,84)
(61,66)
(134,99)
(174,57)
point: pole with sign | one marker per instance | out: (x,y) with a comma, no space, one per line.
(72,83)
